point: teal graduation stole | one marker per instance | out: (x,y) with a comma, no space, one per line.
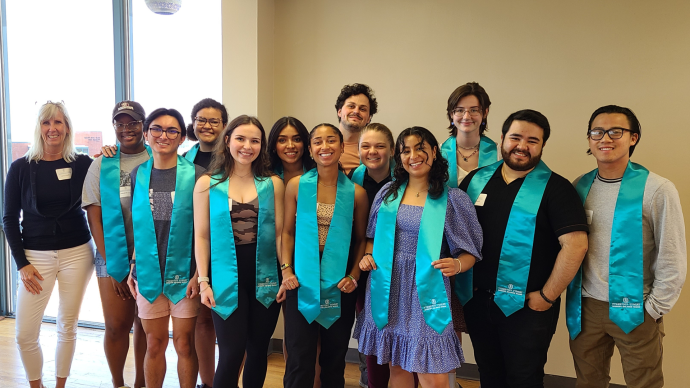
(318,294)
(430,288)
(116,252)
(516,249)
(487,155)
(224,255)
(177,262)
(358,173)
(626,283)
(191,154)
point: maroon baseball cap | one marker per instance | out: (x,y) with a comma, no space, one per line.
(131,109)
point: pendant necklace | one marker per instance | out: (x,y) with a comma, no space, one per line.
(476,149)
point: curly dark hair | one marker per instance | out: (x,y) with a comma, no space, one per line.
(223,162)
(206,103)
(468,89)
(335,131)
(438,175)
(276,162)
(355,89)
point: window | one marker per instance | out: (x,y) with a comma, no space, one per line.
(64,51)
(55,53)
(177,58)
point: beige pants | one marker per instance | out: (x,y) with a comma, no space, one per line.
(641,350)
(72,268)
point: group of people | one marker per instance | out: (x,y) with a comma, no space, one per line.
(345,223)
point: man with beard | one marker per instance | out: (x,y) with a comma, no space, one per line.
(356,105)
(535,237)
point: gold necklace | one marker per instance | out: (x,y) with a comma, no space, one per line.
(469,148)
(421,192)
(242,176)
(336,184)
(503,174)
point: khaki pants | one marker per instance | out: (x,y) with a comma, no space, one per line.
(641,350)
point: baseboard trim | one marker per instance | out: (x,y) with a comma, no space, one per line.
(467,371)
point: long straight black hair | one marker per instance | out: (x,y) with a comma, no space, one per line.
(282,123)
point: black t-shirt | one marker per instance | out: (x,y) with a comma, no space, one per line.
(202,159)
(560,212)
(371,186)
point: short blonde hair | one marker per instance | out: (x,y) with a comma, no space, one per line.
(47,112)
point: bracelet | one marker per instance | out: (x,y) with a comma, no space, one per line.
(204,289)
(459,262)
(201,279)
(285,266)
(368,254)
(353,280)
(549,301)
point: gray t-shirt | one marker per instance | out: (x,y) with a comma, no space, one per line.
(663,242)
(162,197)
(91,193)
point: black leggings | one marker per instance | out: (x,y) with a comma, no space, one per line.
(249,328)
(301,341)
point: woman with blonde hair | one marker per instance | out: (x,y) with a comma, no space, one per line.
(53,243)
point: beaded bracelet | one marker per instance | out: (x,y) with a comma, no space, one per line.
(549,301)
(353,280)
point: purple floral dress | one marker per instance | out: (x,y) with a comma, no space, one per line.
(407,340)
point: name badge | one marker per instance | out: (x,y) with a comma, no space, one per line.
(64,173)
(480,200)
(589,214)
(125,191)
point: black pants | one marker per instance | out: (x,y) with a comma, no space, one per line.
(301,342)
(249,328)
(510,351)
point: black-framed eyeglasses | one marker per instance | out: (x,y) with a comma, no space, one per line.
(614,133)
(171,133)
(473,111)
(130,126)
(201,121)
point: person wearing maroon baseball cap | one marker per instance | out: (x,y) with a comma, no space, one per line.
(106,197)
(130,108)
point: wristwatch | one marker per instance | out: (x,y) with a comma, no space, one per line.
(202,279)
(285,266)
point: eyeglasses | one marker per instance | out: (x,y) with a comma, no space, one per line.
(201,121)
(171,132)
(614,133)
(473,111)
(130,126)
(59,103)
